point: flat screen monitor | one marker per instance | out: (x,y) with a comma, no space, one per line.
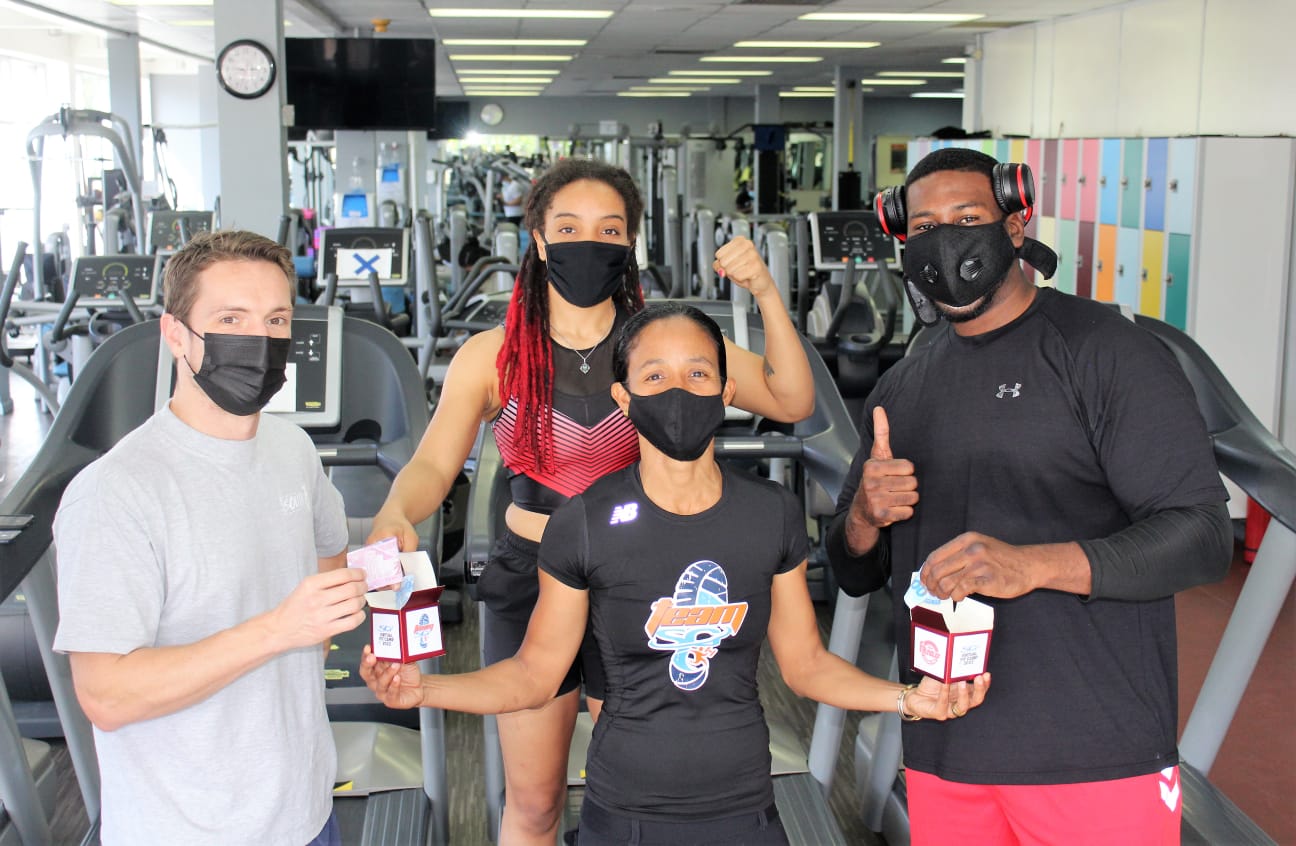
(846,236)
(353,252)
(98,280)
(167,228)
(312,396)
(361,83)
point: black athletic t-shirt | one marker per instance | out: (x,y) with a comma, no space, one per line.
(679,606)
(1068,424)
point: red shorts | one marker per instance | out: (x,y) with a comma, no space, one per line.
(1144,810)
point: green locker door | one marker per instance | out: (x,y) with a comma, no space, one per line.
(1131,185)
(1178,259)
(1068,237)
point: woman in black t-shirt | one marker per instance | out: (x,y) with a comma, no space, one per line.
(683,568)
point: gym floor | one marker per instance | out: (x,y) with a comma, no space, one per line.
(1255,767)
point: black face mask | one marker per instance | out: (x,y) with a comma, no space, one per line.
(240,373)
(956,265)
(585,273)
(677,422)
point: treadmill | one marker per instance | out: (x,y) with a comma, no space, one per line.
(392,785)
(823,444)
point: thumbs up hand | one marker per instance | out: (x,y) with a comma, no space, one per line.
(888,489)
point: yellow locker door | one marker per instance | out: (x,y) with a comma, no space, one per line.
(1152,278)
(1046,233)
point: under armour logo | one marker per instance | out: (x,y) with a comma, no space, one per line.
(1004,391)
(624,513)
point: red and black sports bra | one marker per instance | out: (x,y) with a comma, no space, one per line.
(591,436)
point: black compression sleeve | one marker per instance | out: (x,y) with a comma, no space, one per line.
(857,574)
(1160,555)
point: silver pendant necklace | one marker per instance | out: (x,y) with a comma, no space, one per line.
(584,357)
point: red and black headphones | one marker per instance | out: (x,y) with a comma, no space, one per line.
(1014,191)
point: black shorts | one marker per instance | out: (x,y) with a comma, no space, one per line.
(509,587)
(602,827)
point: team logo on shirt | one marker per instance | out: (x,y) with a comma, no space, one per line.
(692,623)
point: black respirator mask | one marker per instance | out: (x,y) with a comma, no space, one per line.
(958,265)
(585,273)
(678,422)
(240,373)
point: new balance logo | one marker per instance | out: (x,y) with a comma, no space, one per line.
(624,513)
(1005,391)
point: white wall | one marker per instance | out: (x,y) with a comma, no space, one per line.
(184,106)
(1151,67)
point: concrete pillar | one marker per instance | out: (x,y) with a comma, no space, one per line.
(124,89)
(767,104)
(253,141)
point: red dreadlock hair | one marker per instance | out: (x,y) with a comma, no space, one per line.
(525,361)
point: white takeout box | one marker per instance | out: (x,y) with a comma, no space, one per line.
(409,632)
(951,641)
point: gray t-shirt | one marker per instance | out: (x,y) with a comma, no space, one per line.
(172,537)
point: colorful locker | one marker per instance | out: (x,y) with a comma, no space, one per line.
(1154,185)
(1129,248)
(1090,177)
(1109,193)
(1105,266)
(1068,179)
(1131,184)
(1151,277)
(1084,263)
(1048,180)
(1067,248)
(1178,262)
(1016,150)
(1035,160)
(1046,229)
(1002,151)
(1181,179)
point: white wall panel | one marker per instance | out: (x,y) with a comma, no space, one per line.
(1086,73)
(1247,68)
(1007,78)
(1160,68)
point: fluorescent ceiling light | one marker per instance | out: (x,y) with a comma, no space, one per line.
(888,17)
(506,57)
(501,92)
(893,82)
(954,60)
(726,72)
(926,74)
(939,95)
(193,22)
(161,2)
(505,80)
(812,45)
(763,59)
(820,88)
(514,42)
(824,95)
(701,80)
(512,72)
(668,90)
(585,14)
(653,94)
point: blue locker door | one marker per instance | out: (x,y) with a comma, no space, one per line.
(1001,152)
(1129,271)
(1154,184)
(1181,178)
(1068,235)
(1109,182)
(1131,213)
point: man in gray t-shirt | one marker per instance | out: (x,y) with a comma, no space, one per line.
(201,567)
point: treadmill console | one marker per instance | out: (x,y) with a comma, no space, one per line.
(101,279)
(165,227)
(355,252)
(849,236)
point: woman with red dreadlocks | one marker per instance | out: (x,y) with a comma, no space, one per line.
(543,382)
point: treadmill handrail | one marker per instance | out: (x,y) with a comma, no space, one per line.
(1245,450)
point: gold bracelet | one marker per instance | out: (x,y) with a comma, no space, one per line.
(900,708)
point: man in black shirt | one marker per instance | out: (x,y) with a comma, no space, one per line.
(1047,455)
